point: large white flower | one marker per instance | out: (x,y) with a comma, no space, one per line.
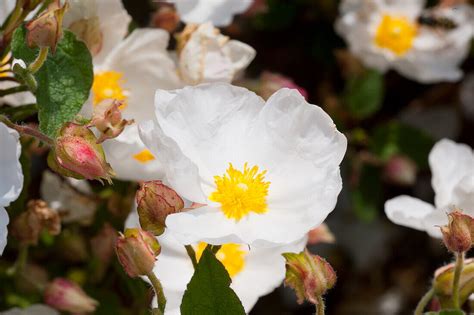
(386,34)
(452,167)
(255,272)
(11,176)
(140,64)
(37,309)
(266,172)
(219,12)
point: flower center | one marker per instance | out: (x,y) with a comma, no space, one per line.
(241,192)
(395,34)
(108,85)
(144,156)
(232,256)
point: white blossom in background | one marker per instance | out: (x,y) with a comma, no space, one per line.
(452,168)
(255,272)
(37,309)
(11,176)
(267,173)
(388,34)
(219,12)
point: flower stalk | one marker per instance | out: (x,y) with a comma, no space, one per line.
(457,276)
(26,130)
(159,294)
(424,301)
(39,61)
(13,90)
(320,307)
(191,254)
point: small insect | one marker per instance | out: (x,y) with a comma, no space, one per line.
(440,22)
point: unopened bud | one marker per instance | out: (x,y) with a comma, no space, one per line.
(321,234)
(443,281)
(28,226)
(102,247)
(77,154)
(107,118)
(400,170)
(67,296)
(458,235)
(137,251)
(155,202)
(309,275)
(46,29)
(272,82)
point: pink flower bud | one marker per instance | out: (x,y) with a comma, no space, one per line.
(272,82)
(46,29)
(155,202)
(458,235)
(309,275)
(77,154)
(102,247)
(137,251)
(107,118)
(67,296)
(321,234)
(400,170)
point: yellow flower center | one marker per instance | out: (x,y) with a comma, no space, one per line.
(241,192)
(395,34)
(232,256)
(144,156)
(109,85)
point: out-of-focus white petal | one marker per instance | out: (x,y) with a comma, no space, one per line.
(4,220)
(37,309)
(11,175)
(408,211)
(219,12)
(6,7)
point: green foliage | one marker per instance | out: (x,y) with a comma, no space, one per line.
(280,15)
(367,196)
(364,94)
(208,292)
(446,312)
(64,81)
(397,138)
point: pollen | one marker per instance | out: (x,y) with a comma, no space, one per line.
(241,192)
(232,256)
(144,156)
(395,34)
(109,85)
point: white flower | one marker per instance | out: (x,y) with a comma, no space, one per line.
(267,172)
(452,167)
(37,309)
(219,12)
(386,34)
(255,272)
(11,176)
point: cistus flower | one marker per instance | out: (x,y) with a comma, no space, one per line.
(46,29)
(389,34)
(67,296)
(36,309)
(155,201)
(107,119)
(11,175)
(311,276)
(77,153)
(458,234)
(271,82)
(219,12)
(137,250)
(255,272)
(452,168)
(267,173)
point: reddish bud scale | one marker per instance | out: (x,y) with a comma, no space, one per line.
(107,119)
(458,235)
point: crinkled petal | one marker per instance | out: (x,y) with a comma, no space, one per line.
(4,220)
(11,175)
(408,211)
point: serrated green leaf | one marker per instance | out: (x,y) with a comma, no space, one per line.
(64,81)
(364,94)
(209,290)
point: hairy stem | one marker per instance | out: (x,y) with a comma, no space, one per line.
(27,130)
(457,276)
(191,254)
(424,301)
(13,90)
(39,61)
(320,306)
(159,294)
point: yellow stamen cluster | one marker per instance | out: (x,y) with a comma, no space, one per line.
(395,34)
(232,256)
(144,156)
(241,192)
(109,85)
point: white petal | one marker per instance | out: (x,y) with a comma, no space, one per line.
(449,163)
(3,228)
(6,7)
(219,12)
(408,211)
(37,309)
(11,174)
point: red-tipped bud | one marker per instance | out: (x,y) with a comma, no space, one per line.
(137,251)
(309,275)
(67,296)
(321,234)
(77,154)
(28,226)
(458,235)
(155,202)
(46,30)
(272,82)
(107,118)
(400,170)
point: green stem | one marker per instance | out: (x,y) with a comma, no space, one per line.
(215,248)
(20,261)
(27,131)
(39,61)
(457,276)
(424,301)
(12,79)
(13,90)
(191,254)
(159,293)
(320,306)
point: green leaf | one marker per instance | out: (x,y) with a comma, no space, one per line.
(364,94)
(208,292)
(397,138)
(64,81)
(446,312)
